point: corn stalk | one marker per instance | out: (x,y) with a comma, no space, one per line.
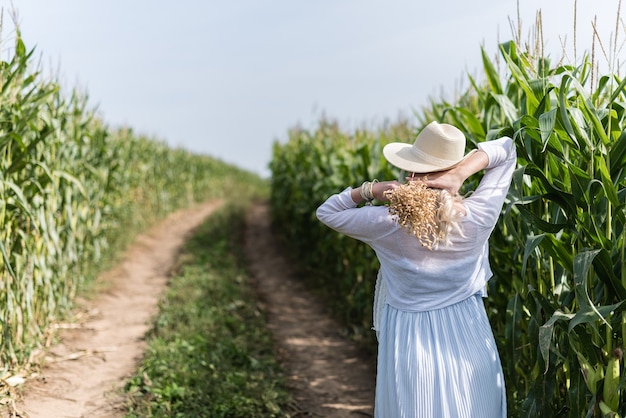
(73,192)
(556,301)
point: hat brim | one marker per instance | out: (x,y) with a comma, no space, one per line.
(399,155)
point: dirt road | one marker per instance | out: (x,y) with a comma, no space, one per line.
(329,376)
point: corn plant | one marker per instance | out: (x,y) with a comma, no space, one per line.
(556,301)
(73,192)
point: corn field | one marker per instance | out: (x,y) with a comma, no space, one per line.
(73,192)
(556,298)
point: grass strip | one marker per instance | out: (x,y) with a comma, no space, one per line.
(209,352)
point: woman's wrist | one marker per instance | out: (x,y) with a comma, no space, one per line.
(373,190)
(357,194)
(367,190)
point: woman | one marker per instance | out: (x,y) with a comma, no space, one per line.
(436,352)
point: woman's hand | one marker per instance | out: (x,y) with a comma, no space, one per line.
(452,180)
(379,189)
(449,180)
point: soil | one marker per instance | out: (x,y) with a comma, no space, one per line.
(85,370)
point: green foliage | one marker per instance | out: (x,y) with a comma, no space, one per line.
(72,193)
(556,299)
(209,353)
(307,169)
(558,253)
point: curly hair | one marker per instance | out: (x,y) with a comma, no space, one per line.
(429,214)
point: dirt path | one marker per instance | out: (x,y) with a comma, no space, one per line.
(91,362)
(328,374)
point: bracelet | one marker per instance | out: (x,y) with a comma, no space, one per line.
(363,191)
(367,190)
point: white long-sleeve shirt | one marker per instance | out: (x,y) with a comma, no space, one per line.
(419,279)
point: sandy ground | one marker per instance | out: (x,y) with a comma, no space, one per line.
(84,372)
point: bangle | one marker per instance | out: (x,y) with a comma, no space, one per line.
(367,190)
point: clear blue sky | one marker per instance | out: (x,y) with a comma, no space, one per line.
(228,78)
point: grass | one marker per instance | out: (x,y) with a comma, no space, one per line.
(209,353)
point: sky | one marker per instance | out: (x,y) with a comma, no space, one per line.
(229,78)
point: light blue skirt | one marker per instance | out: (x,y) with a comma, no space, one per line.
(440,363)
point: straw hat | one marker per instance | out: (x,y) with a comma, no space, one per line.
(438,147)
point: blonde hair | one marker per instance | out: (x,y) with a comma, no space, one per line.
(429,214)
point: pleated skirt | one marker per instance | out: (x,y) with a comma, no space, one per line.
(440,363)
